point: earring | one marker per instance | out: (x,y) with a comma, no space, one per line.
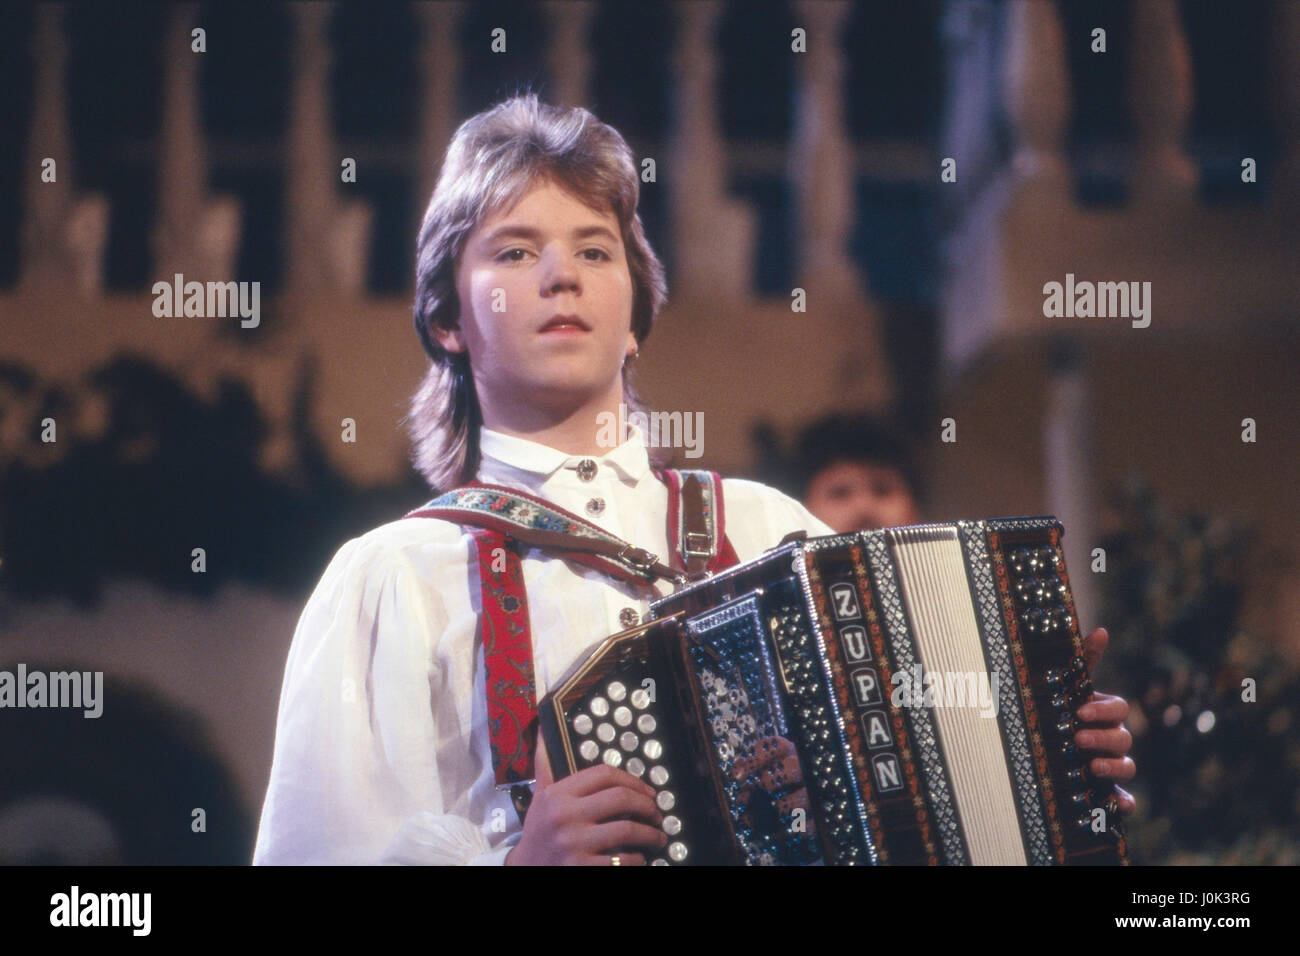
(630,357)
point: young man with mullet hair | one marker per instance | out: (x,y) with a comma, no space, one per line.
(535,289)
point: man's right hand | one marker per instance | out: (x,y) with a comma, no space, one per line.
(588,818)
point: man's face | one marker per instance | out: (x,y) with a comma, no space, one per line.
(859,496)
(549,255)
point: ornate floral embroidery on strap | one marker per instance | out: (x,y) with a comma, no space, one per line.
(515,508)
(508,657)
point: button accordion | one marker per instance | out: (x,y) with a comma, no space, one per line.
(900,696)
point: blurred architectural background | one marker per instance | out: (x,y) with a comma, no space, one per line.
(1116,160)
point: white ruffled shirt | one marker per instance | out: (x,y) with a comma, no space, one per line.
(381,748)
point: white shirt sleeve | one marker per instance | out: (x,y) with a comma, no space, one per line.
(355,775)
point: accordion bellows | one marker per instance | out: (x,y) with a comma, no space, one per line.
(901,696)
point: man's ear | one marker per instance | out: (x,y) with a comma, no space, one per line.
(449,339)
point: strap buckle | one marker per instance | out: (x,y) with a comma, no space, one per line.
(640,559)
(689,548)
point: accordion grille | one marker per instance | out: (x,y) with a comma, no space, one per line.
(932,581)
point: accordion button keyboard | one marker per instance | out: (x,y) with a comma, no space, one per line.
(605,733)
(646,724)
(654,749)
(612,757)
(677,852)
(659,861)
(640,699)
(616,691)
(635,767)
(665,800)
(589,750)
(658,776)
(582,724)
(599,706)
(622,716)
(629,740)
(672,825)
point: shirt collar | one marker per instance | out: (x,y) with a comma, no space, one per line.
(630,460)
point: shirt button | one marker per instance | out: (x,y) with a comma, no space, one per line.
(629,617)
(595,506)
(586,469)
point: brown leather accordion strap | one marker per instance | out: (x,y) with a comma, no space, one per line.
(697,541)
(541,524)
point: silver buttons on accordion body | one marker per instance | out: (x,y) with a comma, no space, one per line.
(613,726)
(1039,591)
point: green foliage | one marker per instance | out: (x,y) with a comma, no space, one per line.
(1218,777)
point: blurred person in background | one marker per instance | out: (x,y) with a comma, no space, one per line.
(856,473)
